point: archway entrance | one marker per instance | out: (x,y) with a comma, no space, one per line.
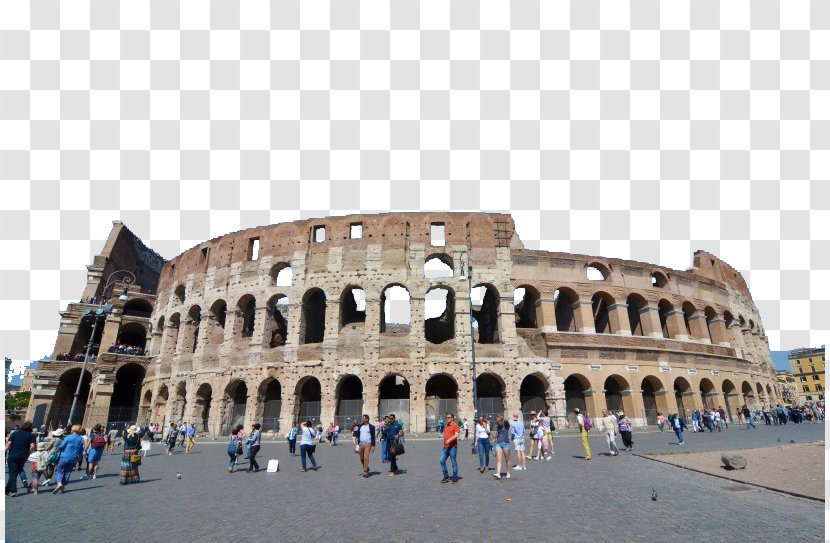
(729,392)
(615,389)
(681,388)
(160,407)
(62,402)
(441,397)
(204,396)
(132,334)
(532,396)
(393,397)
(490,396)
(310,396)
(272,405)
(349,402)
(126,395)
(576,389)
(145,409)
(236,400)
(707,393)
(748,395)
(651,387)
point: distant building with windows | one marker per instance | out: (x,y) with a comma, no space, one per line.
(807,366)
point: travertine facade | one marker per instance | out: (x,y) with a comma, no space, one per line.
(232,342)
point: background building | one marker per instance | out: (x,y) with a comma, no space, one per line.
(808,371)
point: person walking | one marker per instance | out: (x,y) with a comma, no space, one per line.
(661,421)
(365,436)
(71,448)
(502,445)
(584,424)
(547,434)
(19,445)
(190,439)
(53,455)
(394,432)
(517,436)
(234,444)
(625,431)
(747,417)
(679,425)
(291,436)
(307,445)
(172,434)
(482,433)
(466,428)
(450,449)
(534,437)
(38,460)
(608,425)
(130,459)
(384,450)
(94,451)
(254,441)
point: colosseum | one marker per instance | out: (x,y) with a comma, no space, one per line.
(331,318)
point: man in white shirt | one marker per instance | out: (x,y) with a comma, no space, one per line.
(365,443)
(608,425)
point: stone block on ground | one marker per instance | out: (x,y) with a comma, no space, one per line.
(733,460)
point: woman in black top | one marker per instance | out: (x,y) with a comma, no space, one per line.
(20,444)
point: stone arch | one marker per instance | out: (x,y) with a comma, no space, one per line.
(711,316)
(277,331)
(597,271)
(761,397)
(654,399)
(578,395)
(352,306)
(218,314)
(84,336)
(145,408)
(748,394)
(440,397)
(65,392)
(682,389)
(618,395)
(438,266)
(133,334)
(281,275)
(313,316)
(171,334)
(729,392)
(533,392)
(637,304)
(137,307)
(394,396)
(348,401)
(488,315)
(689,310)
(440,328)
(204,398)
(707,393)
(247,312)
(160,406)
(659,279)
(235,398)
(601,303)
(194,316)
(309,393)
(564,299)
(179,293)
(527,304)
(665,309)
(491,389)
(269,396)
(395,309)
(126,394)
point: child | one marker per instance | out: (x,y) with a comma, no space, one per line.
(38,460)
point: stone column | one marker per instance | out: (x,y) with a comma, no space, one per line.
(110,334)
(618,318)
(328,400)
(717,330)
(633,406)
(206,325)
(332,330)
(417,341)
(584,317)
(650,321)
(261,336)
(462,325)
(676,325)
(253,407)
(546,313)
(736,338)
(156,342)
(371,345)
(698,327)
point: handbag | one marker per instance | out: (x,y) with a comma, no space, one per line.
(397,448)
(135,459)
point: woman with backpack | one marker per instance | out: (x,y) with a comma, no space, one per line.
(502,445)
(234,448)
(94,451)
(130,459)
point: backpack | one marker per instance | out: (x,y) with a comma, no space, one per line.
(586,422)
(54,454)
(98,441)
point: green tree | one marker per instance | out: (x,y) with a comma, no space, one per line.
(18,401)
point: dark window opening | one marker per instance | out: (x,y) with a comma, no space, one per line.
(352,306)
(313,317)
(563,308)
(486,314)
(439,312)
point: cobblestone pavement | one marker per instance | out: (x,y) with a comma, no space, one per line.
(566,499)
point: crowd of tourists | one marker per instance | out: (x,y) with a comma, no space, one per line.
(122,348)
(77,357)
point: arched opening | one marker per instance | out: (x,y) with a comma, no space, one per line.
(134,335)
(711,316)
(651,387)
(748,395)
(393,397)
(664,309)
(577,388)
(564,300)
(596,272)
(396,310)
(126,394)
(532,393)
(760,396)
(178,293)
(349,397)
(137,307)
(179,403)
(681,388)
(440,397)
(270,392)
(658,280)
(615,387)
(352,307)
(247,311)
(160,407)
(83,337)
(490,396)
(636,305)
(171,334)
(236,401)
(281,275)
(310,395)
(600,303)
(437,267)
(729,392)
(62,401)
(707,393)
(195,317)
(485,300)
(688,312)
(204,396)
(218,313)
(439,315)
(313,317)
(145,409)
(279,306)
(527,307)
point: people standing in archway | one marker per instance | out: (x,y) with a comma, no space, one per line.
(502,445)
(307,445)
(450,449)
(19,445)
(625,431)
(254,441)
(584,424)
(394,432)
(130,459)
(483,443)
(607,424)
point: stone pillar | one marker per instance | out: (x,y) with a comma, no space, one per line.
(676,325)
(717,330)
(650,321)
(206,325)
(546,313)
(328,401)
(371,345)
(698,327)
(584,317)
(110,334)
(99,400)
(736,337)
(618,318)
(254,405)
(463,325)
(261,335)
(157,342)
(633,407)
(332,330)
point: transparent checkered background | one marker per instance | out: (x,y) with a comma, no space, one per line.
(635,129)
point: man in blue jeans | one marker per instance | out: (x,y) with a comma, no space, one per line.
(451,432)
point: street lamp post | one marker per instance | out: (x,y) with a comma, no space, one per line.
(468,269)
(103,310)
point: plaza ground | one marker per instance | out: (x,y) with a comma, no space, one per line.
(565,499)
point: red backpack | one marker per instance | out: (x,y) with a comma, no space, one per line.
(98,441)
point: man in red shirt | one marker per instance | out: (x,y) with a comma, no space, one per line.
(451,432)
